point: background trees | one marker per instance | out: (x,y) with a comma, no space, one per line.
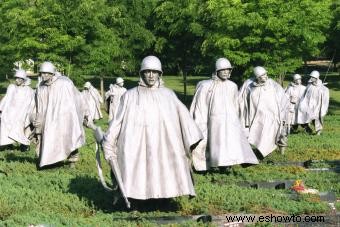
(82,37)
(275,33)
(109,37)
(333,43)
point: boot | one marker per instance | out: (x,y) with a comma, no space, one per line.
(307,129)
(73,158)
(24,148)
(294,129)
(282,150)
(224,169)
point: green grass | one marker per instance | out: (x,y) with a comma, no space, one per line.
(74,197)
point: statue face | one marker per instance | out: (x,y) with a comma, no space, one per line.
(262,79)
(150,77)
(121,84)
(313,80)
(46,76)
(19,81)
(297,82)
(224,74)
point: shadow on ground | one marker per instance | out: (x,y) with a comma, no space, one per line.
(89,189)
(17,157)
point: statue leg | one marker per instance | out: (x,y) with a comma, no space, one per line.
(307,128)
(283,139)
(318,126)
(73,158)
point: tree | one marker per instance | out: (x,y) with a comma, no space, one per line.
(80,36)
(136,31)
(333,44)
(277,34)
(178,35)
(33,30)
(106,37)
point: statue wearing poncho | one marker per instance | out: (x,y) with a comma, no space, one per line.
(59,117)
(295,92)
(215,110)
(314,104)
(113,95)
(92,100)
(264,106)
(15,110)
(150,137)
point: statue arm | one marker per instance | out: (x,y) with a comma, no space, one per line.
(112,134)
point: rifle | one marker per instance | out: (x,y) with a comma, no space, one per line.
(98,134)
(35,133)
(329,66)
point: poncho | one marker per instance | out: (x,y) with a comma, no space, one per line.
(150,136)
(215,110)
(314,104)
(16,108)
(93,100)
(113,97)
(295,93)
(265,110)
(60,107)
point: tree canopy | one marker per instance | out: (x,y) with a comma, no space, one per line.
(275,33)
(333,34)
(110,37)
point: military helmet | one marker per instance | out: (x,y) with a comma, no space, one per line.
(259,71)
(222,63)
(47,67)
(87,84)
(151,63)
(296,77)
(315,74)
(20,73)
(119,80)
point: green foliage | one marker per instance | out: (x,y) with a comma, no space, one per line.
(276,34)
(81,37)
(105,37)
(333,45)
(136,31)
(179,35)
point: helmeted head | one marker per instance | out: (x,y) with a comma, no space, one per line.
(297,78)
(47,67)
(223,68)
(120,81)
(222,63)
(151,63)
(20,73)
(315,74)
(314,77)
(87,85)
(259,71)
(47,71)
(20,77)
(260,74)
(151,70)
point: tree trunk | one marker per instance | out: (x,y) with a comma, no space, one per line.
(102,86)
(305,68)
